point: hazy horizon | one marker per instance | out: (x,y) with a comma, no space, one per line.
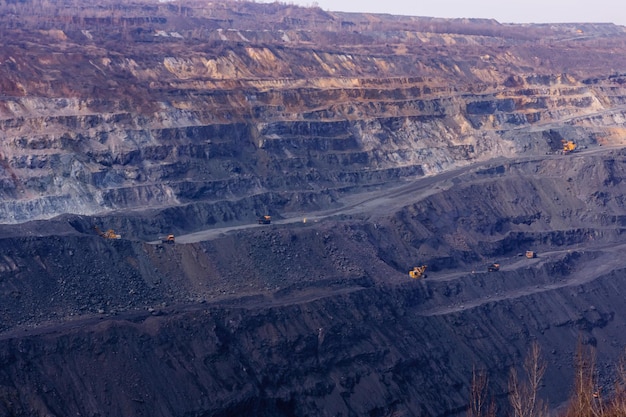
(528,11)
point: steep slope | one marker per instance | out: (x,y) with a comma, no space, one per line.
(321,317)
(376,142)
(158,105)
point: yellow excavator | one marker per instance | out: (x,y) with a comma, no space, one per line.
(109,234)
(568,146)
(418,272)
(495,267)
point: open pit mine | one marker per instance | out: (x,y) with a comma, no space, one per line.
(232,208)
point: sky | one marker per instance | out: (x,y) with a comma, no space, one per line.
(504,11)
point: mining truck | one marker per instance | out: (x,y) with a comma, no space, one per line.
(531,254)
(493,267)
(265,219)
(169,239)
(418,272)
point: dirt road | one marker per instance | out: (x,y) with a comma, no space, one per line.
(608,258)
(381,202)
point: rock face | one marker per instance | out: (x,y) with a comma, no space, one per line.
(322,318)
(376,142)
(124,106)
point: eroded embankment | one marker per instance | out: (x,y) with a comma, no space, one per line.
(321,317)
(367,350)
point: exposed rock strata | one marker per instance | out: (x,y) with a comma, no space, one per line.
(152,118)
(322,318)
(128,106)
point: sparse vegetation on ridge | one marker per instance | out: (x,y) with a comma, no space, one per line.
(588,398)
